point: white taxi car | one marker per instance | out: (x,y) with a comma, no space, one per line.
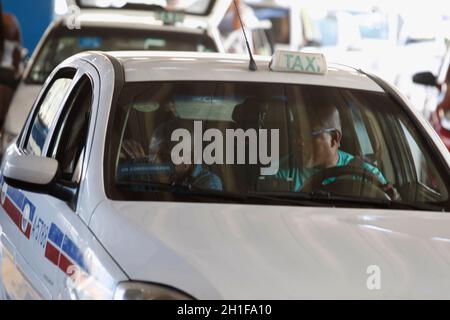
(108,29)
(298,180)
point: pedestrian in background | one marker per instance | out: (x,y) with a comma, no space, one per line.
(10,59)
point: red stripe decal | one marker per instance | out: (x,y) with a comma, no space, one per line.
(64,263)
(28,231)
(13,212)
(51,253)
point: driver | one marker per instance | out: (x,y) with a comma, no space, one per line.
(318,149)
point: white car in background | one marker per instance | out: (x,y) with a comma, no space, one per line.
(360,37)
(92,207)
(145,27)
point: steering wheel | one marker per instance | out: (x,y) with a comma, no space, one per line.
(353,178)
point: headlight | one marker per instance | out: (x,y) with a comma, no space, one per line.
(144,291)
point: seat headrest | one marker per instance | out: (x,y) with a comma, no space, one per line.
(247,112)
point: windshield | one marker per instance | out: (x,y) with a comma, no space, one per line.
(63,43)
(277,140)
(195,7)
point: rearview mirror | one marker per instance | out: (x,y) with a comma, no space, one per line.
(36,174)
(425,78)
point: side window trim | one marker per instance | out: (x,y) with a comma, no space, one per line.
(76,79)
(63,112)
(82,76)
(94,77)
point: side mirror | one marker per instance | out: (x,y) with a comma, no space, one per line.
(425,78)
(36,174)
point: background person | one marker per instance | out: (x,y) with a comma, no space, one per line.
(10,59)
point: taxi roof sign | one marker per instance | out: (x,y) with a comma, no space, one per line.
(170,17)
(300,62)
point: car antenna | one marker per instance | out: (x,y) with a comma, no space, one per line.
(252,66)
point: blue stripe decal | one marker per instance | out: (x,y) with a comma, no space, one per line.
(73,252)
(16,196)
(56,235)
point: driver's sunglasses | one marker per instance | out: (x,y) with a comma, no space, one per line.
(315,133)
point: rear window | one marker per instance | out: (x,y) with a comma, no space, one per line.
(269,143)
(63,43)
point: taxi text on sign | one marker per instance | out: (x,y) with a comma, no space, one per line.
(301,62)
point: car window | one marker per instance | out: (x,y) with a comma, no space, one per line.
(63,43)
(277,140)
(46,114)
(425,174)
(70,135)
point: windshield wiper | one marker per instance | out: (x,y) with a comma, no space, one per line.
(336,200)
(286,198)
(190,190)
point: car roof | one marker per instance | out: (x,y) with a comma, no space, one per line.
(142,66)
(133,20)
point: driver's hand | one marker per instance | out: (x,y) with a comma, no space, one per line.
(392,192)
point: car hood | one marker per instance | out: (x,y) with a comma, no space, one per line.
(20,107)
(279,252)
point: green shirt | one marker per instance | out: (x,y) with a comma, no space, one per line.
(299,176)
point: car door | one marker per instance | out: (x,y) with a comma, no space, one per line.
(18,211)
(49,253)
(85,269)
